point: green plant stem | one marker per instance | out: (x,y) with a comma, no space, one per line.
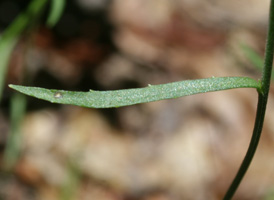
(251,149)
(261,108)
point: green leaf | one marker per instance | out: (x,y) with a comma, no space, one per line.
(11,35)
(56,10)
(6,47)
(117,98)
(17,112)
(255,58)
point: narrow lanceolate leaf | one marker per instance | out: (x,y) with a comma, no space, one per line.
(117,98)
(56,10)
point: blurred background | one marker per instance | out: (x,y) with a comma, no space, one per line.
(186,148)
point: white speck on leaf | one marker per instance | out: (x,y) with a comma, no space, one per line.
(58,95)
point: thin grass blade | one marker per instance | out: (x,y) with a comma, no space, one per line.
(255,58)
(10,36)
(12,151)
(56,10)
